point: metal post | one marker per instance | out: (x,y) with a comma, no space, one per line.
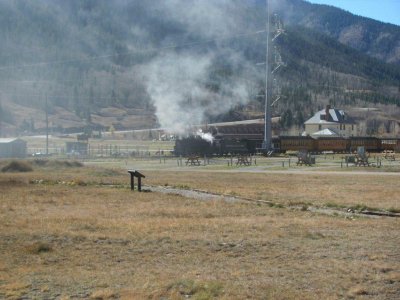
(266,145)
(47,129)
(132,182)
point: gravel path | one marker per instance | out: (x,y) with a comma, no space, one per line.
(206,196)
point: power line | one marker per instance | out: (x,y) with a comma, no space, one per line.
(156,49)
(53,96)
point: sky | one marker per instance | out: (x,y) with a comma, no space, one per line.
(387,11)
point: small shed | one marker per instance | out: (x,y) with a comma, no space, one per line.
(12,148)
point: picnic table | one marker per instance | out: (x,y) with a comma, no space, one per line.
(193,161)
(243,160)
(303,157)
(361,157)
(389,155)
(361,160)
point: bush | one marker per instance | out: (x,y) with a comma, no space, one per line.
(17,166)
(39,247)
(57,163)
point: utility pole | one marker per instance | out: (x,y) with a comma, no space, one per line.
(47,129)
(266,145)
(1,118)
(269,73)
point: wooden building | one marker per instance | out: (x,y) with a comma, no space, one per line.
(12,148)
(331,120)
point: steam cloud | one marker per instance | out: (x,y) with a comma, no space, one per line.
(177,86)
(177,82)
(205,136)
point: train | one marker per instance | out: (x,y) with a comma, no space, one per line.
(222,145)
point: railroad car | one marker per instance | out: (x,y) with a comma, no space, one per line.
(297,143)
(390,144)
(335,144)
(227,144)
(371,144)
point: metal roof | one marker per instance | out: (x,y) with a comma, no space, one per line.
(335,116)
(8,140)
(326,132)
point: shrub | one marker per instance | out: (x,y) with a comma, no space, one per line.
(39,247)
(57,163)
(17,166)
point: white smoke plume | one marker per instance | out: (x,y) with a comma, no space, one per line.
(205,136)
(176,84)
(177,80)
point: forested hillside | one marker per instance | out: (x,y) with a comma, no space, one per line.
(138,64)
(377,39)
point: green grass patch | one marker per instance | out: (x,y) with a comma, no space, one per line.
(196,290)
(314,235)
(394,210)
(333,205)
(182,187)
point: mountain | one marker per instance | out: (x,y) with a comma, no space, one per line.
(377,39)
(131,64)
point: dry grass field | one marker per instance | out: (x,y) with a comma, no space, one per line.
(371,190)
(69,232)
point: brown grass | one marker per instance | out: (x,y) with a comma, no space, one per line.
(348,190)
(103,295)
(110,242)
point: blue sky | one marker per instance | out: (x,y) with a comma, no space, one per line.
(383,10)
